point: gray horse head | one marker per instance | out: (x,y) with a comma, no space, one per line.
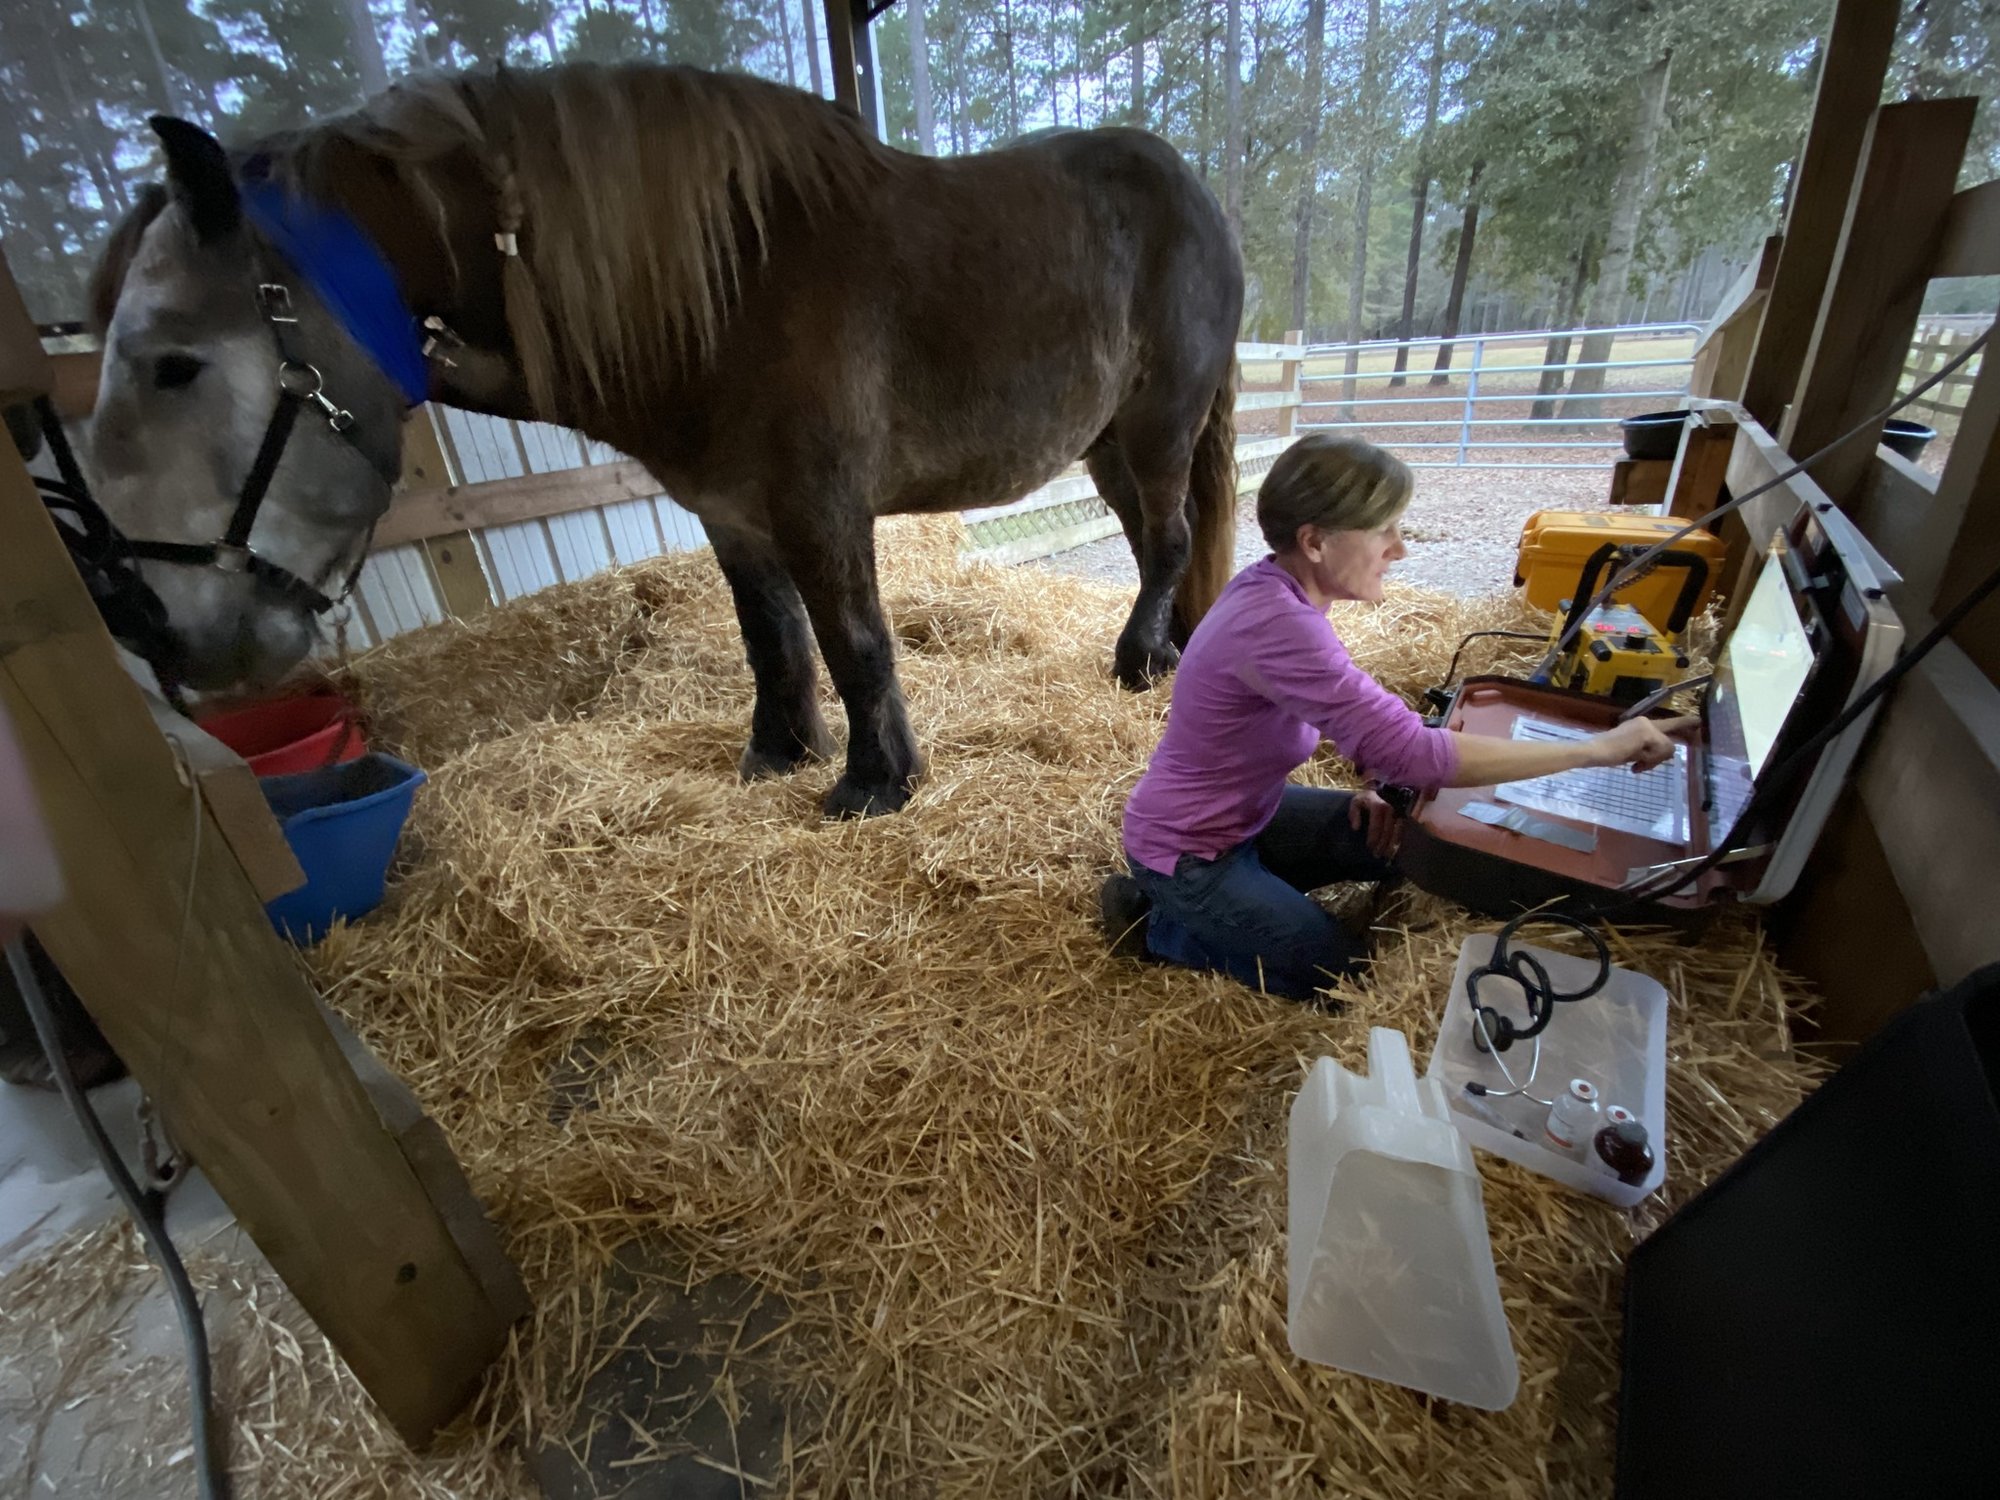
(189,389)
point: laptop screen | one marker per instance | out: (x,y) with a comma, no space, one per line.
(1760,673)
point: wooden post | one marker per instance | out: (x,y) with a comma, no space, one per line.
(1695,486)
(1288,376)
(852,48)
(1639,481)
(1853,64)
(453,558)
(1888,241)
(25,369)
(1722,353)
(213,1016)
(164,938)
(1959,542)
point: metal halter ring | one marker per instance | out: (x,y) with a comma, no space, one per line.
(301,380)
(305,383)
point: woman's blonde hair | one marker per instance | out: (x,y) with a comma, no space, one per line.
(1336,483)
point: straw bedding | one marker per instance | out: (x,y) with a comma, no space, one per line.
(1022,1202)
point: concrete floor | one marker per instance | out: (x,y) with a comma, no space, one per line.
(51,1186)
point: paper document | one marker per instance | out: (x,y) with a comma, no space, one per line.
(1651,804)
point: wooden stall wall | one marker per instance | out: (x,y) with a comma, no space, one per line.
(1900,893)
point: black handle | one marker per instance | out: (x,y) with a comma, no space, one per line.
(1697,579)
(1683,611)
(1586,587)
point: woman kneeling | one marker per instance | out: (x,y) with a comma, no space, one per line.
(1222,851)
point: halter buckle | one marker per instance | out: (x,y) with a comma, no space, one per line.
(276,302)
(440,340)
(233,558)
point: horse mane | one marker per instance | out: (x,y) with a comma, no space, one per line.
(634,192)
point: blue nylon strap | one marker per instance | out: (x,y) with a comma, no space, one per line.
(342,265)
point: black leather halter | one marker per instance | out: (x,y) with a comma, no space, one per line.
(299,383)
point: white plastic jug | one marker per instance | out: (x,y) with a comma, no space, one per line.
(1390,1265)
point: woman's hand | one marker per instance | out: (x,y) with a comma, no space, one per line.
(1639,743)
(1488,760)
(1368,812)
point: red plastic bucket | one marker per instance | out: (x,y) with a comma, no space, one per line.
(289,735)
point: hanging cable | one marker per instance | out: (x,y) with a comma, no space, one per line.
(1451,672)
(147,1211)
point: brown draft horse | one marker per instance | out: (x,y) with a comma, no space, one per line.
(794,327)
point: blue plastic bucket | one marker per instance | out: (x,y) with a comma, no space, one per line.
(343,823)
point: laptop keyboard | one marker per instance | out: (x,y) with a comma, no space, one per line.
(1651,804)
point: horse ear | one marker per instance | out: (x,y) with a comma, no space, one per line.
(107,278)
(199,178)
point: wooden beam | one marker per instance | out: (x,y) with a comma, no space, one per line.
(1266,400)
(1888,243)
(1892,505)
(1971,234)
(840,49)
(1964,535)
(25,372)
(1700,467)
(1848,930)
(501,502)
(1722,353)
(452,558)
(1853,63)
(1755,459)
(212,1013)
(1931,783)
(1288,376)
(1292,349)
(1639,481)
(1958,540)
(77,377)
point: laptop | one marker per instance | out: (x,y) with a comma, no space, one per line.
(1813,631)
(1760,678)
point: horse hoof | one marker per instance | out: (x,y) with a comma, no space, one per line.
(761,762)
(1140,669)
(851,799)
(762,765)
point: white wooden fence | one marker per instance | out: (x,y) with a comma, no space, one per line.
(1937,341)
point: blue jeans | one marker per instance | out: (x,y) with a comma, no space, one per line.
(1246,914)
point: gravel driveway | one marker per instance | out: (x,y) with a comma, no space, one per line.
(1463,528)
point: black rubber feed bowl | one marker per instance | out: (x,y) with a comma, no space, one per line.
(1653,434)
(1906,438)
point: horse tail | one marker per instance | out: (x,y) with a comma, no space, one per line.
(1212,501)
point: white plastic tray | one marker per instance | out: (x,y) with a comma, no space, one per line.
(1617,1039)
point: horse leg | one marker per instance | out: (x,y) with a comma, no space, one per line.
(833,565)
(785,726)
(1115,486)
(1156,450)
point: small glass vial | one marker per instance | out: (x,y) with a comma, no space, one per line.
(1573,1117)
(1622,1146)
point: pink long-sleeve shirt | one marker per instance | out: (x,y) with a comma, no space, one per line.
(1262,681)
